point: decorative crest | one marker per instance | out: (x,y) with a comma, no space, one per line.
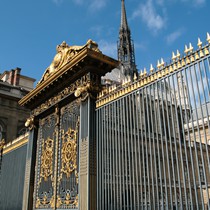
(65,53)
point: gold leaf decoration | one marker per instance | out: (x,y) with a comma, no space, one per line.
(47,159)
(69,152)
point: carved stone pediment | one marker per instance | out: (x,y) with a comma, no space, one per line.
(65,53)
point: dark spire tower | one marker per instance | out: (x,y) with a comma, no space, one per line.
(126,53)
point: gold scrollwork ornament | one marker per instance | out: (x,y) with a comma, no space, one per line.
(69,152)
(47,159)
(30,123)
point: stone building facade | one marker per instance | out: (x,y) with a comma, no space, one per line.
(13,86)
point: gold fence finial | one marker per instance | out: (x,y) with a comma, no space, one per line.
(186,50)
(151,68)
(158,64)
(208,38)
(199,43)
(162,62)
(145,72)
(141,74)
(190,47)
(135,77)
(173,56)
(177,54)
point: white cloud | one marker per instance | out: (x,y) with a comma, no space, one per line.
(194,2)
(80,2)
(148,14)
(108,48)
(97,4)
(199,2)
(160,2)
(97,30)
(92,4)
(171,38)
(57,1)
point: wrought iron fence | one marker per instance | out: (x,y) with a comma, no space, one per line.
(153,139)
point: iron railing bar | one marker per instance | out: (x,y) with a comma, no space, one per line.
(139,125)
(192,88)
(177,124)
(183,132)
(124,154)
(157,120)
(136,151)
(189,137)
(174,139)
(141,153)
(149,162)
(155,142)
(133,140)
(207,116)
(151,137)
(162,148)
(127,150)
(112,200)
(120,151)
(168,138)
(201,148)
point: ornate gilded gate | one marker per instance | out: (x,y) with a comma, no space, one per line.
(57,159)
(61,164)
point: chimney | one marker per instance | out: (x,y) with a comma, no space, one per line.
(16,76)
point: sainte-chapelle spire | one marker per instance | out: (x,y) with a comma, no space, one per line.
(126,53)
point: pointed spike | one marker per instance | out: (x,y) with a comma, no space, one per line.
(186,50)
(208,38)
(190,47)
(177,54)
(173,56)
(162,62)
(199,43)
(141,74)
(158,64)
(134,76)
(151,68)
(145,71)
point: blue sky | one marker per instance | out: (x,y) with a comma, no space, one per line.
(31,29)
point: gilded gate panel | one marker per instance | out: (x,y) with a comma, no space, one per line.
(67,189)
(44,181)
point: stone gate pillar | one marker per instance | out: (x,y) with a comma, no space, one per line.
(61,153)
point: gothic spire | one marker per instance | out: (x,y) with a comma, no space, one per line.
(125,47)
(124,23)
